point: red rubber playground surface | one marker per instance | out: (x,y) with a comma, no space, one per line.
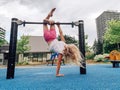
(98,77)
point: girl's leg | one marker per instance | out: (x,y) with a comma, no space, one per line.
(58,66)
(46,20)
(45,27)
(52,26)
(50,13)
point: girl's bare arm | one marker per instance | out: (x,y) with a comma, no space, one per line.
(61,33)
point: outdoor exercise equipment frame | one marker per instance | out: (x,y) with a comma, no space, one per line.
(13,40)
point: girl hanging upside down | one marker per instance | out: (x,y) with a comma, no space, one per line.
(69,50)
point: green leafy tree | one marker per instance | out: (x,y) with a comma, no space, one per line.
(95,46)
(112,34)
(2,41)
(72,40)
(22,44)
(69,39)
(107,47)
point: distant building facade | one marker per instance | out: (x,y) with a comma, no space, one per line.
(2,33)
(4,49)
(39,49)
(38,44)
(101,22)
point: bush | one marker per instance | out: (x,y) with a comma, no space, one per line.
(23,63)
(90,56)
(100,57)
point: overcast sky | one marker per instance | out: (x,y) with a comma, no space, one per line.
(66,11)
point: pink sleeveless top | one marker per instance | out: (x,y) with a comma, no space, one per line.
(49,35)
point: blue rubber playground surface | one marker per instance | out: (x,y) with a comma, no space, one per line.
(98,77)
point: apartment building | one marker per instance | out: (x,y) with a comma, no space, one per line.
(101,22)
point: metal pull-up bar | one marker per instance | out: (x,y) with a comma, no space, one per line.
(19,22)
(72,23)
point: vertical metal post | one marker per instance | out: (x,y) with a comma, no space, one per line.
(12,49)
(82,45)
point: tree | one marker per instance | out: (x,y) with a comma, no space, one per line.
(2,41)
(22,47)
(69,39)
(98,47)
(87,47)
(107,47)
(72,40)
(22,44)
(112,34)
(95,47)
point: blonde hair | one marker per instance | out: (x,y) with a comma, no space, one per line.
(72,52)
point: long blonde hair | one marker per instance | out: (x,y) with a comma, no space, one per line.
(72,52)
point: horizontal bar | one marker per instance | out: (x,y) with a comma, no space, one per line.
(72,24)
(44,23)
